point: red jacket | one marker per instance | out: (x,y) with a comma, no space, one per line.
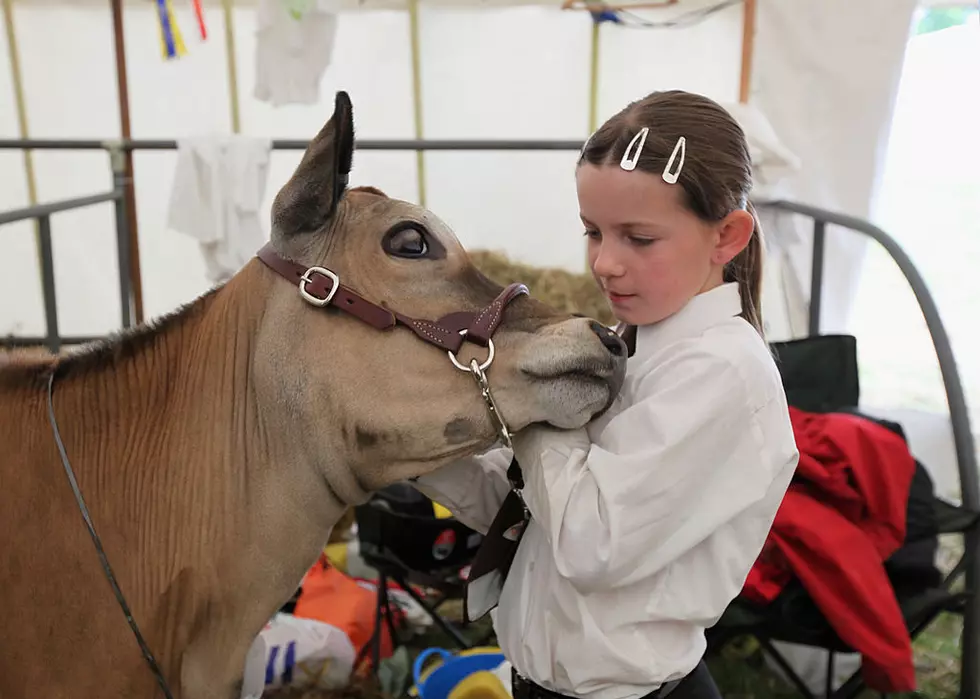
(843,516)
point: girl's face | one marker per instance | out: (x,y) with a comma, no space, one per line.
(649,254)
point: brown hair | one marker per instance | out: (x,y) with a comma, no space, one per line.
(717,173)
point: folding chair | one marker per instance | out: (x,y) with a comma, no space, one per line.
(820,375)
(401,537)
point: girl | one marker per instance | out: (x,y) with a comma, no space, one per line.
(645,524)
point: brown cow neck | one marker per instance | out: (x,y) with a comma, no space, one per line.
(225,531)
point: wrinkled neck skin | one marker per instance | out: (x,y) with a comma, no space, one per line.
(227,495)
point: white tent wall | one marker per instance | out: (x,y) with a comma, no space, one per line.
(929,201)
(827,77)
(472,87)
(831,107)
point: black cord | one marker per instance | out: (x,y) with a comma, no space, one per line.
(688,19)
(147,655)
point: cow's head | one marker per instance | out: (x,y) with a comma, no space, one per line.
(388,404)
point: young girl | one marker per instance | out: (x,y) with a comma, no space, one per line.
(645,523)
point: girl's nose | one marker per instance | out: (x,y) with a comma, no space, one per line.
(605,263)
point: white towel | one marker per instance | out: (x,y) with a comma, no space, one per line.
(293,45)
(772,161)
(218,187)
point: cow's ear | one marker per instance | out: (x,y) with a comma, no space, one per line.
(309,199)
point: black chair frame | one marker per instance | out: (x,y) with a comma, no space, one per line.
(383,536)
(742,619)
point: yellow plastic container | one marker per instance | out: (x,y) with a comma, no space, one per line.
(482,684)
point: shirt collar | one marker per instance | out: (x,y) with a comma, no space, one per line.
(701,312)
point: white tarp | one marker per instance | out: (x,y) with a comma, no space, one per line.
(827,76)
(829,107)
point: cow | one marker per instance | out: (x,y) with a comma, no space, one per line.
(210,452)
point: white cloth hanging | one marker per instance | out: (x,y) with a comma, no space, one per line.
(218,187)
(293,45)
(772,161)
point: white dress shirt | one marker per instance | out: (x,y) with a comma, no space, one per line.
(645,523)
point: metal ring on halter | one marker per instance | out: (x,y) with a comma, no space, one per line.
(486,362)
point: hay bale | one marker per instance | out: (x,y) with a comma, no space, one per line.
(566,291)
(359,688)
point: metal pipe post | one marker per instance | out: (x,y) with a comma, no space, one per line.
(37,210)
(415,41)
(17,77)
(816,275)
(748,50)
(123,252)
(28,341)
(53,338)
(231,59)
(594,75)
(298,144)
(122,83)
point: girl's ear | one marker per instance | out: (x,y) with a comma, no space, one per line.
(734,233)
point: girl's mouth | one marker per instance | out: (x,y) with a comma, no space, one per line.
(619,298)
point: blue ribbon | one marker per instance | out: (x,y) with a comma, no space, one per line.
(168,35)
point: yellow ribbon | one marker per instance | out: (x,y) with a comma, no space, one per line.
(171,40)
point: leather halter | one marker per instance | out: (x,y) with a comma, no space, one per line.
(321,287)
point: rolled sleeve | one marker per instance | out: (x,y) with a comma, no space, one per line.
(472,489)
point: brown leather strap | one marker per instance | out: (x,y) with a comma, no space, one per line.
(445,332)
(483,326)
(320,285)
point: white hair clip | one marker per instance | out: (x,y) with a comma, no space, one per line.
(631,157)
(628,163)
(679,148)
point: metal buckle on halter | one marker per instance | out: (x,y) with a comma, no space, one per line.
(486,362)
(308,278)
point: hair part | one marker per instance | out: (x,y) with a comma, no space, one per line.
(716,177)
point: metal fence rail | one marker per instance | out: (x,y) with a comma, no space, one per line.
(42,213)
(413,145)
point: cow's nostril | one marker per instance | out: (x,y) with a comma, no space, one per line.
(610,340)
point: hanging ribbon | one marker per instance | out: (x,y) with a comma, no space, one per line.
(171,41)
(199,14)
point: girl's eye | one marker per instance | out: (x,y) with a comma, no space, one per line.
(590,233)
(641,242)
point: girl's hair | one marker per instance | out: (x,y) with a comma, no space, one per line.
(716,175)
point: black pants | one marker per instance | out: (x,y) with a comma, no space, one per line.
(697,685)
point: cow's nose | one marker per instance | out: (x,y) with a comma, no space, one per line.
(609,338)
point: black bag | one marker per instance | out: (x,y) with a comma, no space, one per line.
(819,373)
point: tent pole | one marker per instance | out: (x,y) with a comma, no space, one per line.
(122,85)
(748,47)
(17,79)
(594,78)
(236,119)
(593,93)
(413,19)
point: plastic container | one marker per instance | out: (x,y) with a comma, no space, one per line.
(437,683)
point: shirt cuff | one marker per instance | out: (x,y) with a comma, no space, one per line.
(531,444)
